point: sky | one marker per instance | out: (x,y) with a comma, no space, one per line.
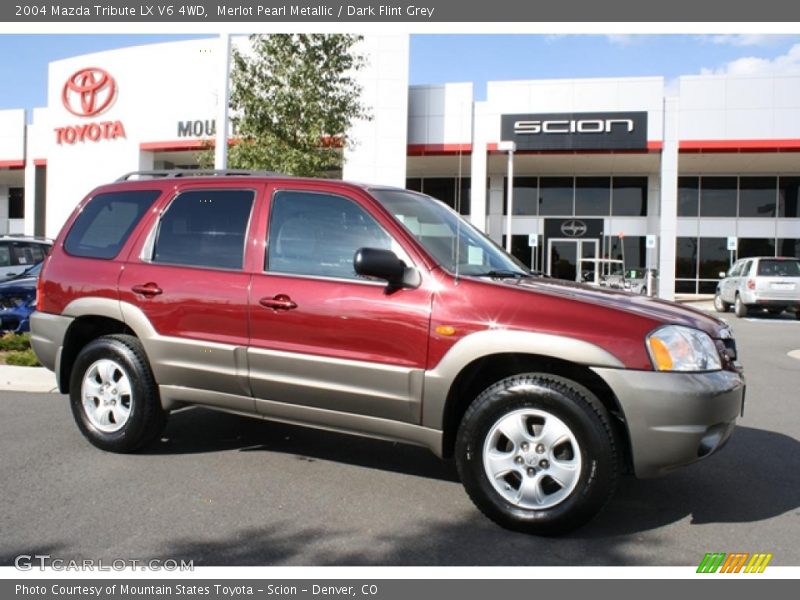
(445,58)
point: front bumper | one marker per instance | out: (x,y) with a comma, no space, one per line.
(674,419)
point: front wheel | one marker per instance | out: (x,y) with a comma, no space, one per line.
(739,307)
(536,454)
(720,305)
(113,395)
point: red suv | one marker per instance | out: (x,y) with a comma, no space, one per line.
(380,312)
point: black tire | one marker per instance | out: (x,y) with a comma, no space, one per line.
(719,305)
(125,357)
(564,403)
(739,307)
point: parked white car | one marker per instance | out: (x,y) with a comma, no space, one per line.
(760,282)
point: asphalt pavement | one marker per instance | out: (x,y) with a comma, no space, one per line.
(221,489)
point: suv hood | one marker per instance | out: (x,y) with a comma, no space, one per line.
(661,311)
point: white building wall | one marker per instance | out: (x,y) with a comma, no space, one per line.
(724,107)
(440,114)
(378,153)
(12,135)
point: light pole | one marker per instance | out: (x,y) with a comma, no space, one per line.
(510,147)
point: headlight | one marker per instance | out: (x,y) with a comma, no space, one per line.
(677,348)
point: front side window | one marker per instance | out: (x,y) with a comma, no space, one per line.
(105,224)
(453,242)
(317,234)
(205,228)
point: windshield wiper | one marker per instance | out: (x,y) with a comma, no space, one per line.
(499,274)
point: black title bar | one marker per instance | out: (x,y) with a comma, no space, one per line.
(407,11)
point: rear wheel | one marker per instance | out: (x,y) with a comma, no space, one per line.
(114,396)
(720,305)
(536,454)
(739,307)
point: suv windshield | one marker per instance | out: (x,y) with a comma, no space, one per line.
(779,268)
(437,228)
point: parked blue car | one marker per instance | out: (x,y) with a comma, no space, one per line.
(18,300)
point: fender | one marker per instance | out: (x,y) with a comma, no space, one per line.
(439,380)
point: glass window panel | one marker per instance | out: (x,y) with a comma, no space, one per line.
(789,247)
(414,183)
(686,257)
(205,228)
(757,196)
(106,222)
(592,196)
(555,196)
(688,196)
(714,257)
(441,188)
(788,191)
(756,247)
(718,197)
(318,234)
(629,197)
(686,286)
(525,195)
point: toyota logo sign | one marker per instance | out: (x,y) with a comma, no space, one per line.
(574,228)
(88,92)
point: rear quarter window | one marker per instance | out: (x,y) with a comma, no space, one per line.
(106,222)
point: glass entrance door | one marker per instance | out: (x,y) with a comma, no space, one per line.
(573,260)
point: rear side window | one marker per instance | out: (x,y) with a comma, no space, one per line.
(106,222)
(779,268)
(205,228)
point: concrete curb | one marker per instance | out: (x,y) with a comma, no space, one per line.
(26,379)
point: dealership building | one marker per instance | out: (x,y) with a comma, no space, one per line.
(682,177)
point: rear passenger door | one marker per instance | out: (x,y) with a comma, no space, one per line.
(190,281)
(323,337)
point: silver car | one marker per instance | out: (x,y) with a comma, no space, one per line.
(760,282)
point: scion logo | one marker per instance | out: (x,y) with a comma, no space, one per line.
(88,92)
(576,131)
(574,228)
(573,126)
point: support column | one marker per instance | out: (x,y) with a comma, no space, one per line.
(669,201)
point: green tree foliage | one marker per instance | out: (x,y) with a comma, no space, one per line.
(293,100)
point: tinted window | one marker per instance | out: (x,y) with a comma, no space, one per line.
(686,257)
(688,196)
(789,196)
(779,268)
(555,196)
(718,197)
(525,195)
(205,228)
(756,247)
(593,196)
(105,223)
(757,196)
(318,234)
(629,197)
(714,257)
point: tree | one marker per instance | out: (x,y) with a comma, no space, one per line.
(293,100)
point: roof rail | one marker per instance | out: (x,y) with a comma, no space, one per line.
(172,173)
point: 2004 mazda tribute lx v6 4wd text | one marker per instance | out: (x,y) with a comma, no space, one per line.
(379,312)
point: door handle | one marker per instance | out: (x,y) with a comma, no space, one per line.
(279,302)
(148,289)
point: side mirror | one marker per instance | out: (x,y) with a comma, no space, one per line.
(722,274)
(384,264)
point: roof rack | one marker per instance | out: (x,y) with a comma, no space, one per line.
(173,173)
